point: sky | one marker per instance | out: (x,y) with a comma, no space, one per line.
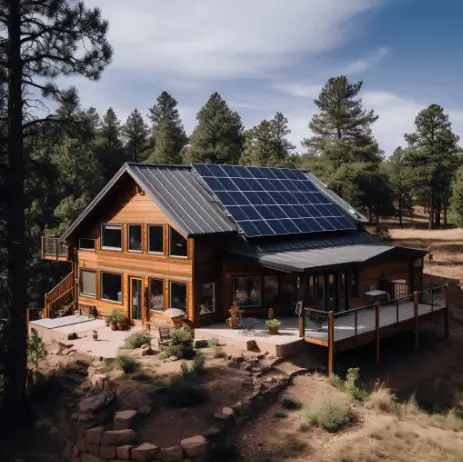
(265,56)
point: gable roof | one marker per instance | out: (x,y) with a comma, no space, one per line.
(177,193)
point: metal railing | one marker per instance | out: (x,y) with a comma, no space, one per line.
(51,247)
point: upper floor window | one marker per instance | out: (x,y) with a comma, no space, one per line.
(134,238)
(111,237)
(177,244)
(156,238)
(86,243)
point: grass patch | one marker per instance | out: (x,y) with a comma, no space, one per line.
(127,363)
(290,403)
(303,428)
(136,340)
(213,342)
(329,412)
(383,400)
(171,350)
(281,414)
(447,421)
(219,353)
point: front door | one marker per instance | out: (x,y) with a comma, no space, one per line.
(136,300)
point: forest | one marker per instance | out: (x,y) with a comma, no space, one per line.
(51,167)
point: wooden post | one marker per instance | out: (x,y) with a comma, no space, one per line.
(301,288)
(446,311)
(377,325)
(415,310)
(301,324)
(330,343)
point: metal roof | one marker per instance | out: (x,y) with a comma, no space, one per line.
(178,194)
(306,256)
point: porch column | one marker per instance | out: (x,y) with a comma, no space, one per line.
(301,288)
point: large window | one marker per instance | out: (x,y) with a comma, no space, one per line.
(87,283)
(156,238)
(271,291)
(111,237)
(177,244)
(156,294)
(206,298)
(288,290)
(111,287)
(247,291)
(134,238)
(178,295)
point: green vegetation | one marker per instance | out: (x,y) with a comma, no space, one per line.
(290,403)
(350,385)
(171,350)
(116,316)
(127,363)
(219,353)
(281,414)
(329,412)
(137,339)
(36,350)
(213,342)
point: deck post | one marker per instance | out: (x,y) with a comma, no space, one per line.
(377,326)
(330,343)
(415,311)
(301,324)
(446,311)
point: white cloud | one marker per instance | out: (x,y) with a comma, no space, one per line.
(223,38)
(361,65)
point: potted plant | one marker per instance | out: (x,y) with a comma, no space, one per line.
(95,335)
(235,316)
(273,325)
(115,318)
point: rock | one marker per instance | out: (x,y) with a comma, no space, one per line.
(91,458)
(93,449)
(108,452)
(94,435)
(172,358)
(132,394)
(145,410)
(96,403)
(228,411)
(118,437)
(147,352)
(211,433)
(124,452)
(81,444)
(172,454)
(145,452)
(220,416)
(146,346)
(238,359)
(124,419)
(201,344)
(233,364)
(98,381)
(195,446)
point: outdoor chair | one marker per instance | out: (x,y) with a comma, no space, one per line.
(164,336)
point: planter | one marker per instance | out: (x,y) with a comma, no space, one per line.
(122,325)
(113,326)
(273,330)
(106,320)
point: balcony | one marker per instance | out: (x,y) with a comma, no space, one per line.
(53,250)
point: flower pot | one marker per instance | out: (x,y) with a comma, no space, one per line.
(95,336)
(113,326)
(122,325)
(273,330)
(106,320)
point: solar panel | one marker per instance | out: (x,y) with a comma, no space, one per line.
(266,201)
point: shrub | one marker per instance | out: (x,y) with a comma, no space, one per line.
(137,339)
(280,414)
(116,316)
(273,322)
(213,342)
(188,373)
(337,382)
(219,353)
(290,403)
(329,413)
(127,363)
(383,399)
(181,393)
(448,421)
(35,348)
(171,350)
(179,336)
(350,384)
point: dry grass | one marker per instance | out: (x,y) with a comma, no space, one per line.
(398,444)
(329,412)
(382,399)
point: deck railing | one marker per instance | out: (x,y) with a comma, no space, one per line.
(65,288)
(51,247)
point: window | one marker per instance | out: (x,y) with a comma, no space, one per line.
(111,237)
(134,244)
(354,284)
(87,283)
(247,291)
(156,238)
(270,291)
(206,298)
(86,244)
(178,295)
(156,294)
(177,244)
(111,287)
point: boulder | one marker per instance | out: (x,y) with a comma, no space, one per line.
(172,454)
(97,402)
(118,437)
(94,435)
(124,452)
(195,446)
(98,381)
(93,449)
(228,411)
(146,452)
(108,452)
(124,419)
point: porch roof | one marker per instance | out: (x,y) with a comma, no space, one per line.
(309,256)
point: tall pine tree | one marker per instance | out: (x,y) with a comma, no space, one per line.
(456,199)
(433,155)
(218,136)
(167,132)
(135,135)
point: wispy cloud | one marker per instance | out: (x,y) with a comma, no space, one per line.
(362,65)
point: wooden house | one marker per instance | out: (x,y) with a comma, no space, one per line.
(201,237)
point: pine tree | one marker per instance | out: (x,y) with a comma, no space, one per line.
(266,144)
(456,200)
(399,179)
(110,151)
(135,135)
(168,134)
(342,145)
(433,156)
(41,40)
(218,136)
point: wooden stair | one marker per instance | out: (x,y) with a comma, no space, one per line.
(61,299)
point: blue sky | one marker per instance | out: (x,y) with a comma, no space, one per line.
(265,56)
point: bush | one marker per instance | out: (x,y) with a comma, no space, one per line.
(383,399)
(349,385)
(219,353)
(188,373)
(35,348)
(185,394)
(180,336)
(280,414)
(329,413)
(171,350)
(290,403)
(213,342)
(198,362)
(127,363)
(137,339)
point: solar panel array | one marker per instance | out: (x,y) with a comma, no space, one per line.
(267,201)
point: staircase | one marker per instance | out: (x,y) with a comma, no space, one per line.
(60,301)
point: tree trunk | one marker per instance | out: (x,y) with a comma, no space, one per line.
(431,216)
(445,215)
(400,213)
(15,358)
(437,218)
